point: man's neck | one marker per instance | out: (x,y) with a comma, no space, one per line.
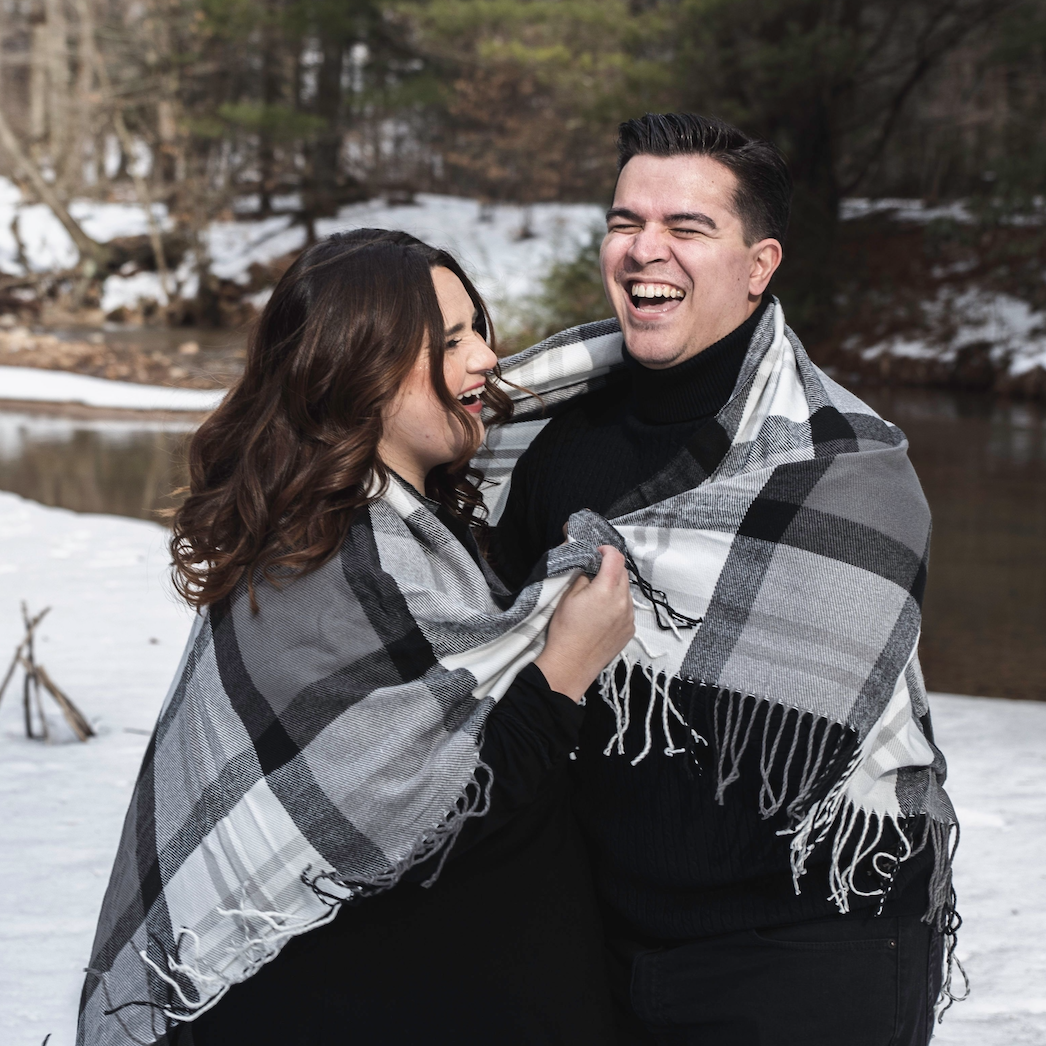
(696,388)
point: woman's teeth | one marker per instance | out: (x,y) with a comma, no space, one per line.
(467,398)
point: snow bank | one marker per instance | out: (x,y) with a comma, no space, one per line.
(507,248)
(56,386)
(113,640)
(488,241)
(902,210)
(1015,332)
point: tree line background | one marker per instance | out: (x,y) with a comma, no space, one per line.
(310,104)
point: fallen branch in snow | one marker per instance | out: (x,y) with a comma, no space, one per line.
(35,677)
(93,255)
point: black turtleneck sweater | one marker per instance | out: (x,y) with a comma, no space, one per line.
(670,862)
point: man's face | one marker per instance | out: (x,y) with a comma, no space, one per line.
(675,264)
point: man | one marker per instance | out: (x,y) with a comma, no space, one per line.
(756,778)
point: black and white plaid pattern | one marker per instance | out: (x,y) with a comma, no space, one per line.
(794,527)
(315,751)
(309,754)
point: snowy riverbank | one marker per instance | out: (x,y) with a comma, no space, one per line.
(508,248)
(32,385)
(113,640)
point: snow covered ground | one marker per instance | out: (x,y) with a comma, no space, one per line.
(31,384)
(508,266)
(1015,332)
(113,639)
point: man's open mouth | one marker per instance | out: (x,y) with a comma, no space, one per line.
(647,296)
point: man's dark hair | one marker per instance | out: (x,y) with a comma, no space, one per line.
(764,184)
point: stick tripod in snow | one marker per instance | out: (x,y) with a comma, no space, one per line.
(36,676)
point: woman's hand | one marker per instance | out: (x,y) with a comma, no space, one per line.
(590,627)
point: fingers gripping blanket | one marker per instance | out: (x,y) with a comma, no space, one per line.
(309,754)
(792,527)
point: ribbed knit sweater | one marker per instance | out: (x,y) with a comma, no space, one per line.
(670,862)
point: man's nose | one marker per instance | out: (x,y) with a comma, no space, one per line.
(650,244)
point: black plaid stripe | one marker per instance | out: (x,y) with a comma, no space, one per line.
(869,428)
(832,433)
(768,517)
(775,507)
(856,544)
(404,643)
(279,755)
(879,686)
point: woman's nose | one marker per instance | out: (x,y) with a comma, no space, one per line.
(482,358)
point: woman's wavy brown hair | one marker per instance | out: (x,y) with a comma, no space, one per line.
(280,469)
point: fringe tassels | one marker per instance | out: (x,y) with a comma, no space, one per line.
(800,756)
(266,932)
(943,914)
(615,687)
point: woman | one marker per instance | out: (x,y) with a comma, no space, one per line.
(351,823)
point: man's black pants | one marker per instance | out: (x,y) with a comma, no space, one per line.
(832,982)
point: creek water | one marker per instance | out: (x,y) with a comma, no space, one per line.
(982,463)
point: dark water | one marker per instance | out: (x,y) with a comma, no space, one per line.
(982,464)
(127,468)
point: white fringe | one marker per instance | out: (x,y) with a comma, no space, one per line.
(618,697)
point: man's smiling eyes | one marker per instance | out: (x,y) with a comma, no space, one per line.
(633,229)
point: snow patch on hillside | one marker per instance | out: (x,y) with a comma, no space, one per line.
(35,385)
(1014,331)
(507,248)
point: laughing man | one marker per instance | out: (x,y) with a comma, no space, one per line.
(757,778)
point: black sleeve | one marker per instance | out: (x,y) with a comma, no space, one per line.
(518,542)
(530,733)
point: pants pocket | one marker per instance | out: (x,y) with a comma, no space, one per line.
(813,985)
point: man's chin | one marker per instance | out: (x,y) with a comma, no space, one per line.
(654,349)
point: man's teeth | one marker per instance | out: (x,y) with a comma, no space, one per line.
(656,290)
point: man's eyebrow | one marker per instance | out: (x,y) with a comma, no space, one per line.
(669,219)
(623,212)
(690,216)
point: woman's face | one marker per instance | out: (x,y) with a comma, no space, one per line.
(420,433)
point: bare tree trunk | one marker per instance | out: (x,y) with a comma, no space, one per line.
(57,61)
(38,83)
(83,130)
(141,188)
(93,256)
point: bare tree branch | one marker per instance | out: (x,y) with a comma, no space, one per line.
(141,188)
(93,255)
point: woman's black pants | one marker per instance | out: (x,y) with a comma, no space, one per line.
(831,982)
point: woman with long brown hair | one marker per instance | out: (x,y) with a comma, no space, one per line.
(351,823)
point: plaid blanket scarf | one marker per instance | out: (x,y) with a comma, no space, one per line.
(783,554)
(310,754)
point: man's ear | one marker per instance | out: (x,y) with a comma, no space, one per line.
(766,257)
